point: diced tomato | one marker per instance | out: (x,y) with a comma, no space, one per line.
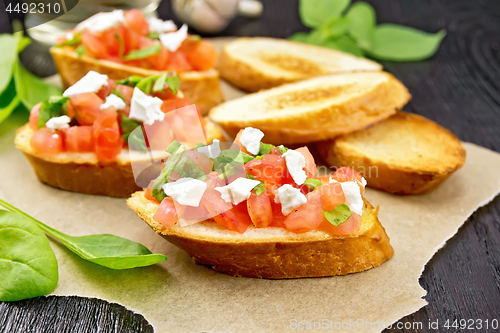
(346,174)
(260,210)
(201,56)
(78,139)
(107,138)
(132,39)
(46,141)
(199,213)
(174,104)
(324,179)
(311,168)
(135,20)
(34,116)
(273,169)
(159,135)
(332,195)
(93,45)
(126,91)
(71,110)
(147,195)
(113,40)
(278,217)
(86,107)
(236,219)
(178,62)
(352,225)
(306,217)
(106,90)
(166,214)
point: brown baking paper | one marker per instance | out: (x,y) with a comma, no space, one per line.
(180,296)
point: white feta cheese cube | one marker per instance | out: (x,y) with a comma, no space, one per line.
(144,108)
(102,21)
(160,26)
(211,151)
(172,40)
(238,191)
(58,122)
(352,193)
(92,82)
(113,100)
(290,198)
(295,163)
(250,139)
(186,191)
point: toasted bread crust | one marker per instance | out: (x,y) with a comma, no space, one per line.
(271,256)
(398,177)
(201,88)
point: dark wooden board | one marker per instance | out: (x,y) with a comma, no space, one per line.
(459,88)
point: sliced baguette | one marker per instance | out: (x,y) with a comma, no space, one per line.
(259,63)
(405,154)
(83,173)
(201,88)
(316,109)
(275,253)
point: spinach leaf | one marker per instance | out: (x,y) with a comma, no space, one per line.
(314,13)
(9,101)
(177,150)
(103,249)
(339,215)
(313,183)
(143,53)
(51,108)
(28,266)
(399,43)
(361,26)
(8,58)
(30,88)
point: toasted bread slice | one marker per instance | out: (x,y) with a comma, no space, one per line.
(316,109)
(201,88)
(405,154)
(259,63)
(275,253)
(82,172)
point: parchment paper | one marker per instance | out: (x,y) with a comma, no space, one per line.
(180,296)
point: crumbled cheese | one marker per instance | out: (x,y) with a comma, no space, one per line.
(145,108)
(238,190)
(69,36)
(115,101)
(290,198)
(186,191)
(58,122)
(92,82)
(160,26)
(250,139)
(172,40)
(211,151)
(352,193)
(295,163)
(102,21)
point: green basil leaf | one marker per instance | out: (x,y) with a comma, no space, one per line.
(143,53)
(154,35)
(187,168)
(339,215)
(146,84)
(28,266)
(335,27)
(9,101)
(200,145)
(80,50)
(131,81)
(51,108)
(30,88)
(313,182)
(362,23)
(8,58)
(265,148)
(399,43)
(174,83)
(344,44)
(300,37)
(177,150)
(121,49)
(118,92)
(159,85)
(259,189)
(77,38)
(282,149)
(128,125)
(314,13)
(135,142)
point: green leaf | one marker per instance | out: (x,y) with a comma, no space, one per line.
(344,44)
(118,92)
(399,43)
(128,125)
(8,101)
(146,84)
(80,50)
(103,249)
(51,108)
(8,58)
(299,37)
(362,20)
(313,182)
(177,150)
(265,148)
(30,88)
(259,189)
(28,266)
(187,168)
(135,142)
(335,27)
(131,81)
(121,49)
(174,83)
(25,41)
(339,215)
(282,149)
(143,53)
(314,13)
(154,35)
(77,38)
(159,85)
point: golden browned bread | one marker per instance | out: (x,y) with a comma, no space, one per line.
(201,88)
(405,154)
(84,173)
(316,109)
(275,253)
(259,63)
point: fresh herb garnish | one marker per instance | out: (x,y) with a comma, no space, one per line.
(80,50)
(265,148)
(118,92)
(132,133)
(159,85)
(143,53)
(313,183)
(131,81)
(282,149)
(176,149)
(51,108)
(154,35)
(174,83)
(77,38)
(339,215)
(121,49)
(354,30)
(259,189)
(146,84)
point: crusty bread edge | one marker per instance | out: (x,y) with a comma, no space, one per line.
(312,254)
(201,88)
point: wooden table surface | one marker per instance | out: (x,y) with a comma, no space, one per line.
(459,88)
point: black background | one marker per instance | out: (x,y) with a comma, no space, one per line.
(459,88)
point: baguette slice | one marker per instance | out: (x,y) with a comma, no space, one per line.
(201,88)
(275,253)
(316,109)
(259,63)
(82,172)
(405,154)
